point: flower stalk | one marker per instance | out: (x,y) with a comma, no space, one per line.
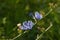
(40,36)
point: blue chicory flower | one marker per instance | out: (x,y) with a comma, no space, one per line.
(38,15)
(27,25)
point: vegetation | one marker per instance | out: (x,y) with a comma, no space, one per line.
(13,12)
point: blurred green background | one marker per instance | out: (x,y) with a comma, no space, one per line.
(14,11)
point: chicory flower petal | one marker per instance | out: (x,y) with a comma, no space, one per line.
(27,25)
(38,15)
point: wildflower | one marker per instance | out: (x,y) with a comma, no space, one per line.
(38,16)
(27,25)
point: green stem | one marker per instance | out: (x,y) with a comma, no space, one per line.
(35,19)
(48,13)
(19,35)
(40,36)
(43,17)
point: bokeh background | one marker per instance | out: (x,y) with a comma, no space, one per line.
(13,12)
